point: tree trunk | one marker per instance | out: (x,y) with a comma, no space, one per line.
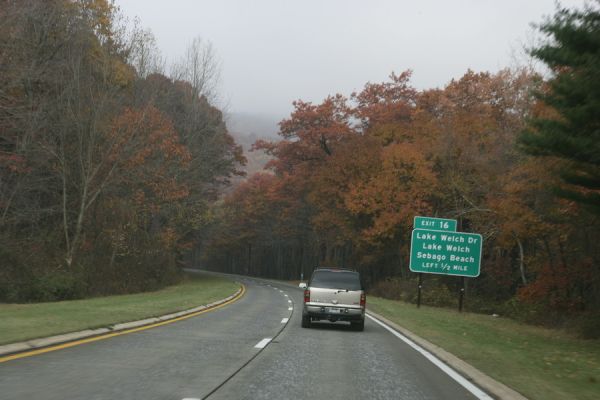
(521,261)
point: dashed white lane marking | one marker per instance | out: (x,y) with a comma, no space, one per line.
(263,343)
(285,320)
(481,395)
(291,309)
(286,295)
(190,398)
(289,301)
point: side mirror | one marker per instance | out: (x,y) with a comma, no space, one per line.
(302,285)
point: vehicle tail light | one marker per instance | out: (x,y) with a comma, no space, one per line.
(307,296)
(363,300)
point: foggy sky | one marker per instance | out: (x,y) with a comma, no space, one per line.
(276,51)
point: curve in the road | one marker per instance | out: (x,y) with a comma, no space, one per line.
(61,346)
(180,360)
(217,357)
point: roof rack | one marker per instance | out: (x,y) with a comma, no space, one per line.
(335,269)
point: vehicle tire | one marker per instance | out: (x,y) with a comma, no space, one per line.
(305,321)
(358,326)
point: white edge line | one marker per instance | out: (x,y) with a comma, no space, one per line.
(262,344)
(480,394)
(285,320)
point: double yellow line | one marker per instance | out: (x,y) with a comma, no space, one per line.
(125,332)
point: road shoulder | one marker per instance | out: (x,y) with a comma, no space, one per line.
(14,349)
(485,382)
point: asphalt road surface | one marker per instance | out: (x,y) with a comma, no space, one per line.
(246,350)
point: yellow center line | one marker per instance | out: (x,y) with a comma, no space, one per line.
(125,332)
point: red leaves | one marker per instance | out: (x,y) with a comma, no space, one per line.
(390,102)
(144,134)
(559,287)
(311,134)
(146,149)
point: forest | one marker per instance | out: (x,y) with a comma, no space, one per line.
(108,166)
(116,171)
(512,155)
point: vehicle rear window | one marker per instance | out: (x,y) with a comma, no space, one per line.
(336,280)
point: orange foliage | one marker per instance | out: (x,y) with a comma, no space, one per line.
(356,171)
(398,190)
(149,146)
(559,287)
(387,106)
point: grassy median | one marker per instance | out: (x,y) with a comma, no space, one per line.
(20,322)
(539,363)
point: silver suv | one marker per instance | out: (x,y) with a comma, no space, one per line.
(334,295)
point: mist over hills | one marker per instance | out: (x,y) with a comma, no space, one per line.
(261,125)
(247,128)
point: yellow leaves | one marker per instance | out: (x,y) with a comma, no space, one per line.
(100,14)
(169,190)
(169,237)
(123,74)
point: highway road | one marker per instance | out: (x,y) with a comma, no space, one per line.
(251,349)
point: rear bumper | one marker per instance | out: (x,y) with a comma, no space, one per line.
(324,312)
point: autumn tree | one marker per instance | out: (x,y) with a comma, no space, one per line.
(214,156)
(106,167)
(201,68)
(144,54)
(387,109)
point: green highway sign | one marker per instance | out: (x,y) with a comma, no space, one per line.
(447,253)
(435,224)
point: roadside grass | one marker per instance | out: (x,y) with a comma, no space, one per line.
(539,363)
(19,322)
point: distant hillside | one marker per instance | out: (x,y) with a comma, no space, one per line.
(263,126)
(248,128)
(256,159)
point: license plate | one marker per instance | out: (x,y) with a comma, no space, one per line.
(334,310)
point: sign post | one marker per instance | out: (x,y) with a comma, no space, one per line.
(461,296)
(419,290)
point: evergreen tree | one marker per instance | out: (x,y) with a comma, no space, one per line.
(573,55)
